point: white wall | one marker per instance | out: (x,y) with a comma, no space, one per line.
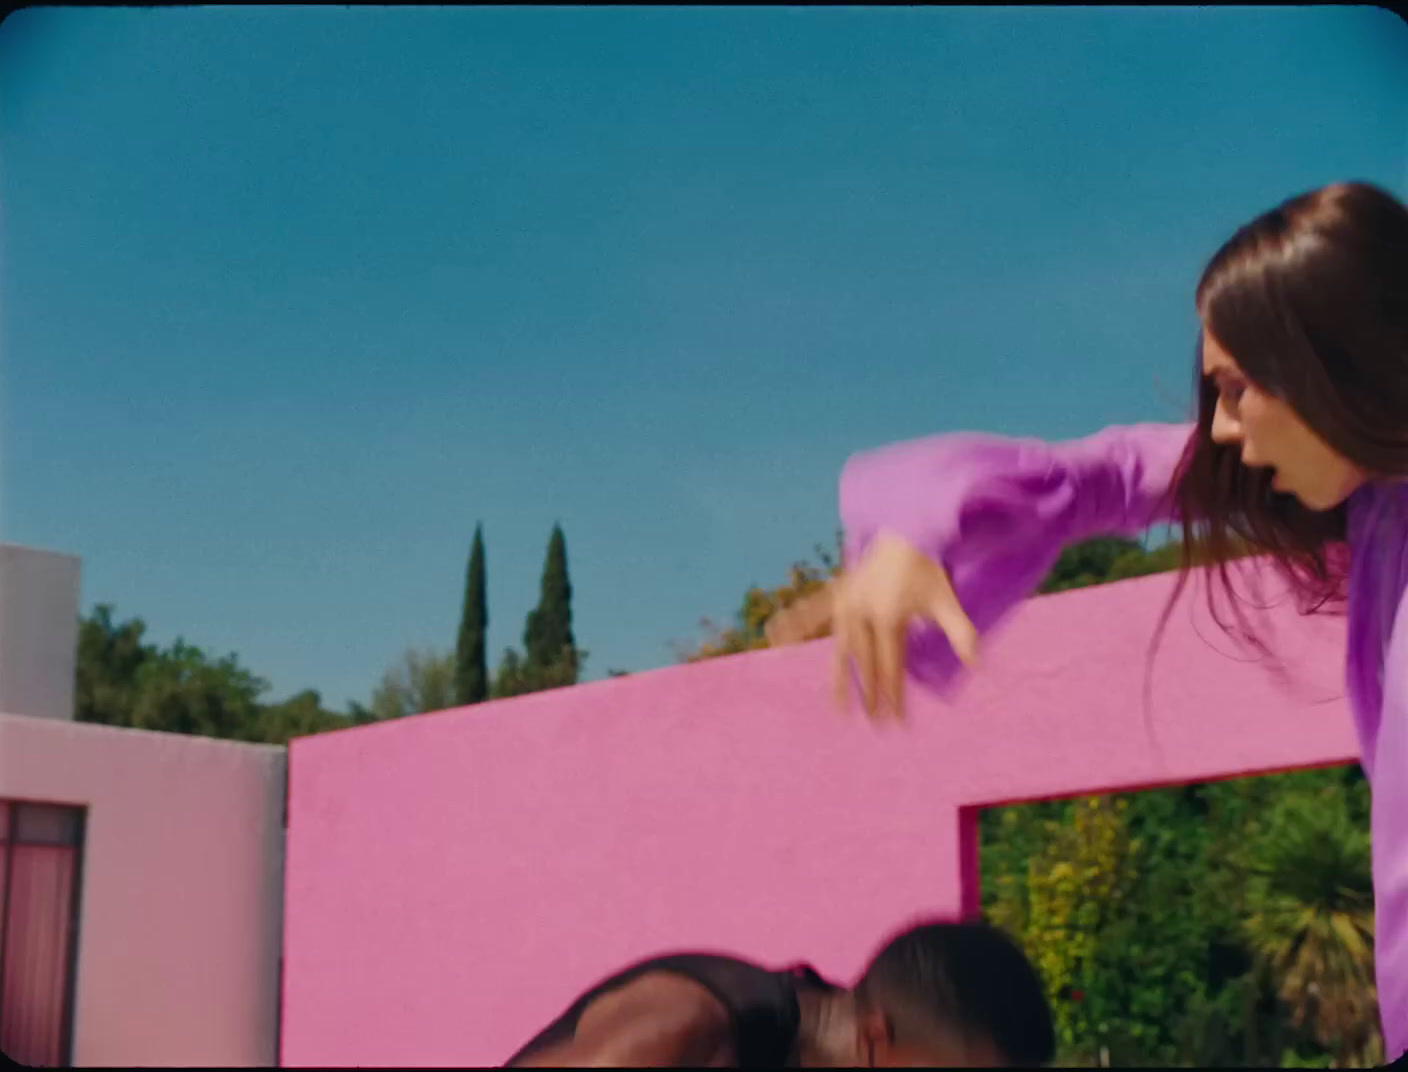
(182,896)
(38,631)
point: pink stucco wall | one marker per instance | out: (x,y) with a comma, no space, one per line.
(181,920)
(455,879)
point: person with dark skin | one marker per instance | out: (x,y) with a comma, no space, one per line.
(937,995)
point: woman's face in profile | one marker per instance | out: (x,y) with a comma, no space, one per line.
(1272,436)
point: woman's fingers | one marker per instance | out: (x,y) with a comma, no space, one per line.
(961,633)
(860,641)
(867,667)
(841,666)
(948,614)
(890,644)
(868,614)
(860,657)
(963,637)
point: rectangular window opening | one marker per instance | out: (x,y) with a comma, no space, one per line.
(41,856)
(1223,924)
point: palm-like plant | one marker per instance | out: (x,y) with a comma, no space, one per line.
(1312,923)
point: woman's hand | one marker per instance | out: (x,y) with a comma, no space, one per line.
(869,609)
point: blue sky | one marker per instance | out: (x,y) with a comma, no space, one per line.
(291,298)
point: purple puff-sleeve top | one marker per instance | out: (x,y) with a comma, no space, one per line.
(998,511)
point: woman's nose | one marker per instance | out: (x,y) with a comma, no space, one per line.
(1225,428)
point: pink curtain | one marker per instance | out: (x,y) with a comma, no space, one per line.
(35,972)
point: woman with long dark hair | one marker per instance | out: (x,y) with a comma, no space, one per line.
(1299,453)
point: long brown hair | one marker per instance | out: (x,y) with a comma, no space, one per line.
(1311,300)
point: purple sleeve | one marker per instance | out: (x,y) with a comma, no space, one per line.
(997,511)
(1377,676)
(1386,756)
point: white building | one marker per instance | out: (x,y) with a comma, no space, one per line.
(141,874)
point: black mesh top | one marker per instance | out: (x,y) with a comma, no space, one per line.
(761,1004)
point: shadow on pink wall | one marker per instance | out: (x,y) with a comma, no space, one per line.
(455,879)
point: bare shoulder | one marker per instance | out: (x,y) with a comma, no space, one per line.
(664,996)
(658,1019)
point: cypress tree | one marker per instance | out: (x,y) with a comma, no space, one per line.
(471,661)
(548,644)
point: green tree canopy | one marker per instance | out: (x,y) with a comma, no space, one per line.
(124,681)
(109,657)
(420,681)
